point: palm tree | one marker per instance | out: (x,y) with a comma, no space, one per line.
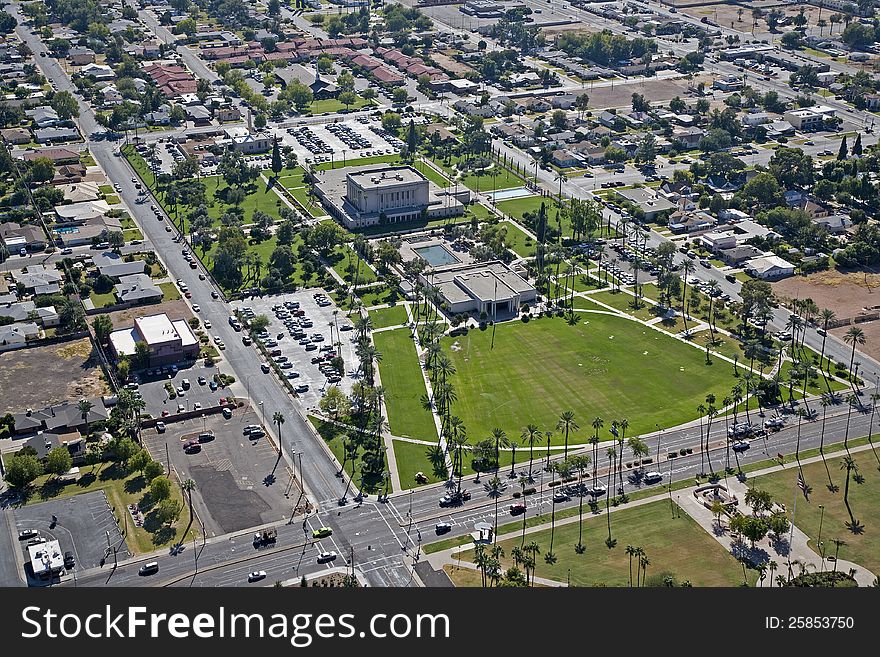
(278,420)
(85,407)
(612,456)
(531,435)
(772,566)
(630,552)
(624,425)
(188,486)
(701,409)
(644,562)
(523,483)
(597,423)
(854,336)
(501,440)
(850,466)
(827,315)
(580,462)
(726,402)
(567,422)
(687,268)
(495,488)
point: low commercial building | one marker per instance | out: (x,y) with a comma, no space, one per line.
(485,287)
(647,200)
(804,120)
(717,241)
(168,341)
(47,560)
(373,195)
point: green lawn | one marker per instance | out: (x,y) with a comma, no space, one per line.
(624,303)
(333,105)
(122,488)
(333,436)
(401,376)
(368,296)
(391,316)
(348,264)
(302,197)
(132,234)
(606,366)
(864,499)
(169,291)
(678,547)
(584,303)
(102,300)
(522,244)
(517,207)
(412,458)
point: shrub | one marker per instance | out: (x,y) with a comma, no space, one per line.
(682,451)
(517,494)
(530,491)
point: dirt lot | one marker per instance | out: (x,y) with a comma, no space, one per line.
(872,338)
(620,95)
(37,377)
(725,14)
(174,309)
(844,293)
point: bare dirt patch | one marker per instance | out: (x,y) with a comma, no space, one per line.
(654,91)
(846,293)
(174,309)
(872,338)
(37,377)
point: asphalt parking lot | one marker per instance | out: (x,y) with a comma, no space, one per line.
(354,137)
(235,489)
(152,389)
(322,318)
(86,526)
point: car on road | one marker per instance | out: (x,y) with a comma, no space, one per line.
(322,532)
(324,557)
(257,575)
(27,533)
(559,496)
(215,294)
(303,387)
(517,509)
(69,560)
(196,308)
(160,427)
(442,527)
(265,367)
(653,477)
(149,568)
(741,446)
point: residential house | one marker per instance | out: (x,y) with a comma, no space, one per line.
(27,311)
(718,241)
(57,155)
(770,267)
(60,418)
(227,114)
(835,224)
(43,117)
(80,56)
(80,192)
(16,236)
(98,72)
(470,109)
(55,135)
(112,265)
(15,136)
(689,222)
(688,137)
(39,279)
(609,120)
(740,254)
(565,159)
(15,336)
(647,201)
(137,288)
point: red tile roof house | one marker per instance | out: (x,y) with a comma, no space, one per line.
(172,80)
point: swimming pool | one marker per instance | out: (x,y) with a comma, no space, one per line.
(506,194)
(67,231)
(436,255)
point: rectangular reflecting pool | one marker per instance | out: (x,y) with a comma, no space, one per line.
(436,255)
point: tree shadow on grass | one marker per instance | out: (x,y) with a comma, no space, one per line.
(113,471)
(135,485)
(145,504)
(52,488)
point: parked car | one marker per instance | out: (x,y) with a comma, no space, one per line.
(442,527)
(257,575)
(517,509)
(653,477)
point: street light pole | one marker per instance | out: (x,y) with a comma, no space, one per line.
(819,538)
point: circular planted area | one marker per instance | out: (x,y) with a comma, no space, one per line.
(604,366)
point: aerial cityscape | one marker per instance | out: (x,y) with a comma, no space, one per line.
(439,293)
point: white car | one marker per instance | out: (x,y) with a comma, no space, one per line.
(324,557)
(257,575)
(207,323)
(196,308)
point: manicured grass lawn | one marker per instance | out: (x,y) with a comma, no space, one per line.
(132,234)
(169,291)
(333,436)
(111,199)
(864,499)
(106,189)
(412,458)
(606,366)
(391,316)
(517,207)
(347,263)
(724,345)
(258,198)
(333,105)
(401,377)
(480,211)
(122,488)
(624,303)
(369,296)
(302,196)
(742,277)
(503,179)
(584,303)
(816,385)
(263,250)
(102,300)
(350,162)
(522,244)
(674,325)
(674,546)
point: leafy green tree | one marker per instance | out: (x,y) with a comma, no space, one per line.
(103,326)
(22,469)
(160,488)
(168,511)
(152,470)
(58,461)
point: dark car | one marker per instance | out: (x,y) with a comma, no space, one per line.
(192,446)
(69,559)
(741,446)
(517,509)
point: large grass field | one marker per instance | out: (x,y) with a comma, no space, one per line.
(349,265)
(864,499)
(390,316)
(401,377)
(673,546)
(606,366)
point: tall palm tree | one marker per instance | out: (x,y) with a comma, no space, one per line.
(85,407)
(624,425)
(529,436)
(188,486)
(278,420)
(644,562)
(630,552)
(523,484)
(566,422)
(726,402)
(854,336)
(597,423)
(580,462)
(495,488)
(612,456)
(827,316)
(501,440)
(850,466)
(687,268)
(701,409)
